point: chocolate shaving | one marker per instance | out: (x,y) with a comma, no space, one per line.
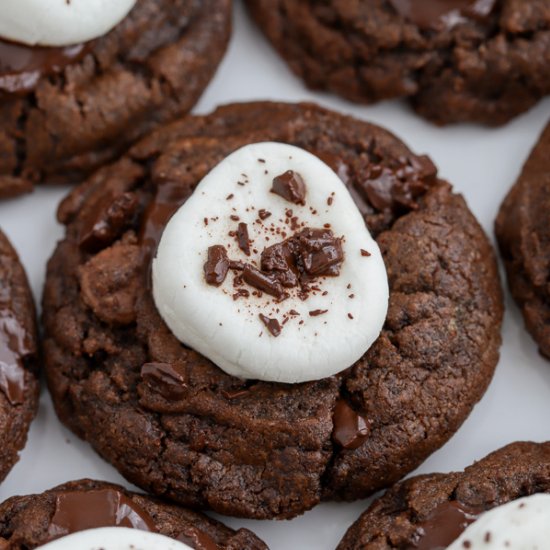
(365,253)
(317,312)
(271,324)
(243,239)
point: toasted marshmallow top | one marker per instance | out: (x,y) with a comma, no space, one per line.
(522,524)
(302,312)
(60,22)
(115,538)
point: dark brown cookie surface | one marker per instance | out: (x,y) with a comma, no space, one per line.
(152,67)
(432,506)
(27,522)
(455,60)
(523,233)
(184,429)
(18,357)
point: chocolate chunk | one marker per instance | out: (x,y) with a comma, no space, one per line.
(13,348)
(106,220)
(80,510)
(263,214)
(398,189)
(166,379)
(290,186)
(280,258)
(21,67)
(272,325)
(441,14)
(262,281)
(216,265)
(365,253)
(444,525)
(243,239)
(321,253)
(350,428)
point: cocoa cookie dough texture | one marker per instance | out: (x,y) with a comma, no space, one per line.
(429,505)
(486,62)
(175,424)
(66,111)
(18,357)
(28,522)
(523,233)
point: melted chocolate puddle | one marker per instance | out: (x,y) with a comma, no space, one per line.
(13,347)
(442,14)
(80,510)
(21,66)
(444,525)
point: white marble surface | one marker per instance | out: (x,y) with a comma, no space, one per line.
(482,164)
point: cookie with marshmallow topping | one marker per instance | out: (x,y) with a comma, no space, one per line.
(137,369)
(500,502)
(305,272)
(88,514)
(81,80)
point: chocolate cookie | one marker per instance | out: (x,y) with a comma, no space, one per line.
(18,357)
(30,521)
(438,507)
(522,228)
(64,112)
(465,60)
(178,426)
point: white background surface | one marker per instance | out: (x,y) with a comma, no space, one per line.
(481,163)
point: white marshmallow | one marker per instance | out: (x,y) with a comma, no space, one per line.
(115,538)
(522,524)
(230,332)
(60,22)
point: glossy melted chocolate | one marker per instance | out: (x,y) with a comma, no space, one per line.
(197,539)
(444,525)
(437,14)
(21,67)
(80,510)
(13,347)
(351,429)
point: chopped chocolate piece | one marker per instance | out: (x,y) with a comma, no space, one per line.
(280,258)
(243,239)
(264,214)
(166,379)
(241,293)
(317,312)
(350,428)
(106,220)
(216,266)
(365,253)
(234,217)
(321,253)
(262,281)
(272,325)
(290,186)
